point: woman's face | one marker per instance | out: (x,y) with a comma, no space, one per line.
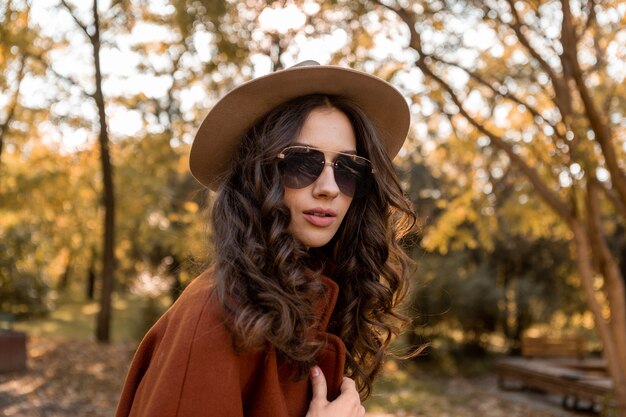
(318,209)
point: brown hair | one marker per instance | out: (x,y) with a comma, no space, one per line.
(260,267)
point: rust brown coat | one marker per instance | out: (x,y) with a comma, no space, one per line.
(186,366)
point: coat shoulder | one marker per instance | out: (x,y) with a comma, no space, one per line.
(179,356)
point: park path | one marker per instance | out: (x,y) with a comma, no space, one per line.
(66,378)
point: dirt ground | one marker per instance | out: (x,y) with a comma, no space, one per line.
(82,378)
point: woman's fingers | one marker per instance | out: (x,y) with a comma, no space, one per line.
(348,404)
(348,386)
(349,394)
(319,384)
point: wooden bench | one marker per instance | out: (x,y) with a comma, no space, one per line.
(560,366)
(574,346)
(12,346)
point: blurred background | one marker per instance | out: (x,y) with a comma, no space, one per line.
(515,162)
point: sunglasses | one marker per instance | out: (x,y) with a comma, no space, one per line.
(301,165)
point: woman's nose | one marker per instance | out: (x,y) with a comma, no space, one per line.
(325,185)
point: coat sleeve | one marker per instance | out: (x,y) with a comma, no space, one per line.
(185,366)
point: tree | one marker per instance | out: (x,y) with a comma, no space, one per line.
(13,102)
(540,94)
(161,222)
(16,39)
(108,256)
(25,250)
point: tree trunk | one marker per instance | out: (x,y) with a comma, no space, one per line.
(177,287)
(91,281)
(65,278)
(4,125)
(612,352)
(622,253)
(108,259)
(103,323)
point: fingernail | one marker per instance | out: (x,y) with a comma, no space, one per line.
(315,371)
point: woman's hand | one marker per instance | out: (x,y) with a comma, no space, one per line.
(348,404)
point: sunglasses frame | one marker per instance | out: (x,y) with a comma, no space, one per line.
(353,157)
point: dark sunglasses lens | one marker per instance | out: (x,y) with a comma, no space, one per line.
(301,167)
(353,175)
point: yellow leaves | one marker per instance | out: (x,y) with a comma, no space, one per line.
(182,167)
(364,40)
(76,239)
(8,219)
(486,229)
(438,25)
(155,47)
(448,234)
(390,69)
(85,193)
(191,206)
(528,216)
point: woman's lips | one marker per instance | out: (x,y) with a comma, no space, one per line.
(320,217)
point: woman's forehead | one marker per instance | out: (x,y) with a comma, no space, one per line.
(328,129)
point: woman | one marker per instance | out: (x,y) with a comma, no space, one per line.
(307,268)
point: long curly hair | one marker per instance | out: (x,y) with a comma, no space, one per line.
(260,268)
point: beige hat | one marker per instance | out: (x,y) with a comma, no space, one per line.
(234,114)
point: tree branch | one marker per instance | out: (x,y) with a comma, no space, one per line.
(548,195)
(613,279)
(409,19)
(517,28)
(561,91)
(173,112)
(533,111)
(12,104)
(614,199)
(601,128)
(559,95)
(69,80)
(591,16)
(78,22)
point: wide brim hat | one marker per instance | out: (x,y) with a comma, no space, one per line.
(234,114)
